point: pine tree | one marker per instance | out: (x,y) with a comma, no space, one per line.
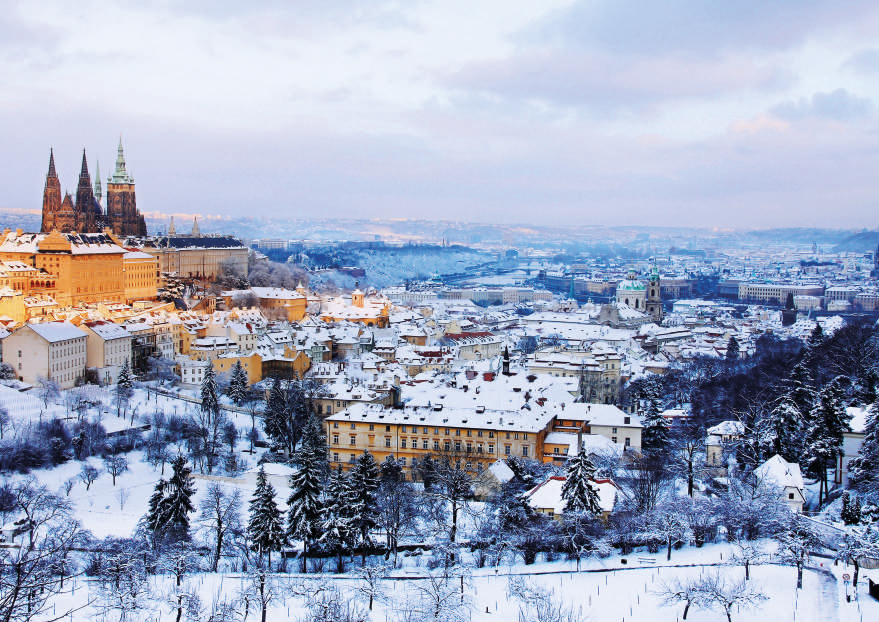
(276,417)
(783,429)
(238,384)
(210,392)
(305,514)
(800,389)
(732,349)
(170,505)
(391,471)
(579,495)
(264,530)
(851,510)
(362,484)
(863,470)
(124,380)
(654,434)
(816,339)
(828,421)
(337,529)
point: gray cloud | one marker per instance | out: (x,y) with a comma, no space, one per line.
(602,82)
(840,105)
(694,26)
(864,61)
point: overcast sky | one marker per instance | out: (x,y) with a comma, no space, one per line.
(745,113)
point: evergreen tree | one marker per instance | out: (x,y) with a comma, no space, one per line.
(851,509)
(782,431)
(863,470)
(579,495)
(264,530)
(210,393)
(654,434)
(337,529)
(125,381)
(238,384)
(170,505)
(276,417)
(732,349)
(828,421)
(362,484)
(816,339)
(800,389)
(391,471)
(305,515)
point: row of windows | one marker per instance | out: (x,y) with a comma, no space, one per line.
(402,461)
(446,445)
(479,433)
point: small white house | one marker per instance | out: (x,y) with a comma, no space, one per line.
(787,476)
(546,497)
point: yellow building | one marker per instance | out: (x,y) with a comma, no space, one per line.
(197,257)
(141,272)
(81,267)
(12,305)
(477,436)
(250,362)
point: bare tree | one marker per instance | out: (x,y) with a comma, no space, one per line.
(721,592)
(536,604)
(220,517)
(796,544)
(748,553)
(88,474)
(68,485)
(370,584)
(116,466)
(687,591)
(441,599)
(49,390)
(122,495)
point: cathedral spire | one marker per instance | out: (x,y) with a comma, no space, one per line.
(120,175)
(98,193)
(52,172)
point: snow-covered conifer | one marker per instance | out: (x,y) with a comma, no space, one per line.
(362,484)
(654,434)
(579,495)
(264,530)
(305,514)
(863,471)
(829,420)
(238,384)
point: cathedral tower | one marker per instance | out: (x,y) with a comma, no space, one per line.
(51,196)
(86,206)
(122,215)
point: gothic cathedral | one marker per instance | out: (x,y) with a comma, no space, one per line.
(86,215)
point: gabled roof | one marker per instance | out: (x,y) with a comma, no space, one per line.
(56,331)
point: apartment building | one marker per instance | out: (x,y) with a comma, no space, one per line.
(53,350)
(108,348)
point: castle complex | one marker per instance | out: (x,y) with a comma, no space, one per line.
(86,214)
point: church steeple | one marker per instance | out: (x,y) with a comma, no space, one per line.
(196,232)
(120,175)
(172,230)
(84,171)
(52,174)
(98,193)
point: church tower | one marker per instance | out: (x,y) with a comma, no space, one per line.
(51,196)
(86,206)
(122,215)
(654,295)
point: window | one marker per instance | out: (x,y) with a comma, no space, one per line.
(525,451)
(335,439)
(469,447)
(353,458)
(353,440)
(627,420)
(555,450)
(435,445)
(628,442)
(508,436)
(335,456)
(457,445)
(403,462)
(424,444)
(507,450)
(436,430)
(790,495)
(371,427)
(613,430)
(490,448)
(491,434)
(387,428)
(613,438)
(469,433)
(402,443)
(353,426)
(457,432)
(387,441)
(447,446)
(516,435)
(403,429)
(448,431)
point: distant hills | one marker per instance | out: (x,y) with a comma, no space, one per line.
(858,243)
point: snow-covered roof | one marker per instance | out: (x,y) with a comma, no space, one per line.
(56,331)
(548,494)
(107,330)
(780,471)
(728,428)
